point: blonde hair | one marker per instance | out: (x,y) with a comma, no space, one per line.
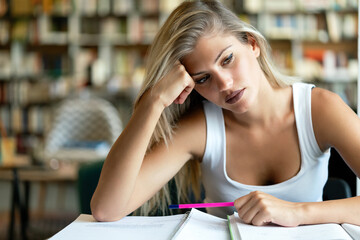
(177,38)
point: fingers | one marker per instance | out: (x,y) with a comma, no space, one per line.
(175,86)
(188,84)
(183,95)
(260,208)
(261,218)
(252,208)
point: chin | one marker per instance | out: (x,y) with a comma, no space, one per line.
(237,108)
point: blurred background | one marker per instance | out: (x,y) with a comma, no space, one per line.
(70,70)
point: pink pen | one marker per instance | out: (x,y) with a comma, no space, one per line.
(201,205)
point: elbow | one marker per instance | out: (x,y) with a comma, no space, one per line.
(100,215)
(103,213)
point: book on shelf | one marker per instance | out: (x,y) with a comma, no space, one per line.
(332,66)
(198,225)
(103,7)
(33,120)
(21,7)
(114,30)
(253,6)
(39,119)
(350,22)
(3,7)
(4,32)
(122,7)
(166,7)
(150,27)
(127,65)
(334,26)
(87,7)
(283,60)
(280,6)
(134,27)
(5,64)
(256,6)
(149,6)
(27,92)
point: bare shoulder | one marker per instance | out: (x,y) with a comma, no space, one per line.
(327,104)
(191,132)
(321,97)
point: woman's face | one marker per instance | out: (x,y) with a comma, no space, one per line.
(225,71)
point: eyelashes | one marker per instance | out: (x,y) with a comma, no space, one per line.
(203,79)
(226,61)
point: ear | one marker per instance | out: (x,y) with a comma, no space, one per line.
(253,44)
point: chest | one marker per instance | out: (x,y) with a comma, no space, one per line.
(263,157)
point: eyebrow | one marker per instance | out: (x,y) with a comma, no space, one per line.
(217,57)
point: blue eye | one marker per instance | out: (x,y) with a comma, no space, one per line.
(203,79)
(228,59)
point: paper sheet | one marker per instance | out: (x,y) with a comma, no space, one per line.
(352,230)
(200,225)
(137,228)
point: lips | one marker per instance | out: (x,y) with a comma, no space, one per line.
(234,96)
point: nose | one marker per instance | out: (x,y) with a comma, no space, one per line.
(224,81)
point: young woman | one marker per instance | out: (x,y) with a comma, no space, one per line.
(213,104)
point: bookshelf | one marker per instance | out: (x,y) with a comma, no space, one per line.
(51,49)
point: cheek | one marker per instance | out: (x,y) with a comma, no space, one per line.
(201,90)
(205,92)
(246,69)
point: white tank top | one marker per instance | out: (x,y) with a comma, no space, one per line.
(306,186)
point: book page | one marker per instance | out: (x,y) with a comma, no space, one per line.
(271,232)
(352,230)
(200,225)
(132,227)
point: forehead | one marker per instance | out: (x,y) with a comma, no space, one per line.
(208,47)
(213,42)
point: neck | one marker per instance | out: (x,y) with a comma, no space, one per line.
(272,105)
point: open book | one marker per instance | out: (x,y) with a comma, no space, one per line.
(192,225)
(197,225)
(329,231)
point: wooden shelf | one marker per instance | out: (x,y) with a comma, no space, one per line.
(344,45)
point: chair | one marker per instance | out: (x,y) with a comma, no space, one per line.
(88,177)
(83,129)
(336,188)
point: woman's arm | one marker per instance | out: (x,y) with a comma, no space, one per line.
(335,125)
(129,177)
(260,208)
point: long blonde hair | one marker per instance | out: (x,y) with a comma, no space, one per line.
(177,38)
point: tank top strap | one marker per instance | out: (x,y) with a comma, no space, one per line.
(302,109)
(215,129)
